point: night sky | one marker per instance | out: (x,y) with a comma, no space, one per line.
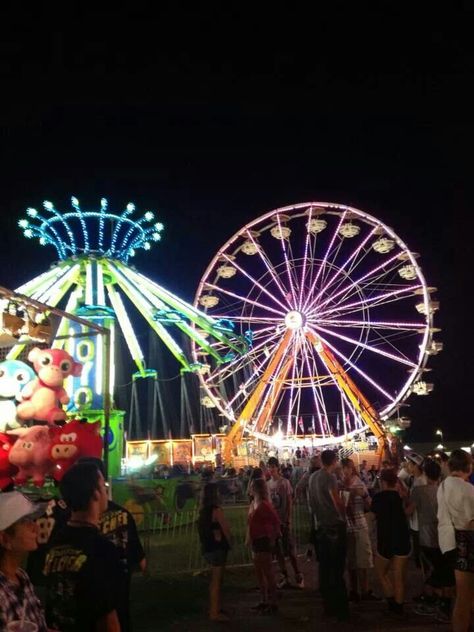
(213,116)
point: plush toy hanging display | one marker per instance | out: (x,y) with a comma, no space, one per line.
(42,398)
(49,451)
(14,376)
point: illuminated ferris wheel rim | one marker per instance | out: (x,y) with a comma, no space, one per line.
(267,221)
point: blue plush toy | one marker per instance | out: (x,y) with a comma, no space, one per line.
(14,376)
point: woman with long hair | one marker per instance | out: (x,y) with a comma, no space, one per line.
(215,537)
(263,531)
(18,536)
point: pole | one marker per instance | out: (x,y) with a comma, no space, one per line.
(106,382)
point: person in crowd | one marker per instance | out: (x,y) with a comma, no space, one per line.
(328,513)
(119,527)
(256,474)
(440,581)
(116,524)
(393,540)
(262,534)
(359,549)
(414,466)
(281,496)
(215,537)
(18,536)
(302,491)
(443,460)
(82,568)
(364,473)
(456,533)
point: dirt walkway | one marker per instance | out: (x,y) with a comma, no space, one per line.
(179,604)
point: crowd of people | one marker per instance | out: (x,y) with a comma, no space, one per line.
(362,518)
(83,548)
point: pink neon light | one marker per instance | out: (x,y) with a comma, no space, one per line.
(246,300)
(264,289)
(371,323)
(343,307)
(343,267)
(288,271)
(323,263)
(305,258)
(368,347)
(269,267)
(354,366)
(358,281)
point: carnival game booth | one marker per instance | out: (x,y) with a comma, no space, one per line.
(45,423)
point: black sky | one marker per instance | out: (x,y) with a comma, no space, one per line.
(212,116)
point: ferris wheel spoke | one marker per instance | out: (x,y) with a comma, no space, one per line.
(347,361)
(268,264)
(244,299)
(293,374)
(305,260)
(253,377)
(340,269)
(376,300)
(317,383)
(371,324)
(358,281)
(358,343)
(287,264)
(255,282)
(385,340)
(323,263)
(235,361)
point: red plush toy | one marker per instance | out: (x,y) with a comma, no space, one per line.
(42,398)
(7,470)
(77,439)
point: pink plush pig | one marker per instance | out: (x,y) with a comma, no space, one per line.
(76,439)
(31,453)
(42,398)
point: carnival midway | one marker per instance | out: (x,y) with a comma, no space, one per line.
(310,328)
(310,331)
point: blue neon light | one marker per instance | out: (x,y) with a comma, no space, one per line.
(78,232)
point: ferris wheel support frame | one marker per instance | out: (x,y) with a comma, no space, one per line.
(358,400)
(234,437)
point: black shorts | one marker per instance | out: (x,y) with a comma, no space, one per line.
(216,558)
(394,549)
(262,545)
(442,575)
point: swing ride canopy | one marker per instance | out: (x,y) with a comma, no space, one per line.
(94,248)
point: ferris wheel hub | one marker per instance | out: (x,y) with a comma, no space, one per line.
(295,320)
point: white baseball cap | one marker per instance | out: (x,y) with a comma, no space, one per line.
(15,506)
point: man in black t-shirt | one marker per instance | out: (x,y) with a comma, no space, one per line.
(82,568)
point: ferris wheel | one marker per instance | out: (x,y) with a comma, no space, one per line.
(338,320)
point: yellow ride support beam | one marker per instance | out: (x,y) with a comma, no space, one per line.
(235,434)
(361,404)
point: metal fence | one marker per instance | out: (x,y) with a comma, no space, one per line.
(172,544)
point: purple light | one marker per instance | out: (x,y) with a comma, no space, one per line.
(354,254)
(288,271)
(264,289)
(269,267)
(364,346)
(364,302)
(323,263)
(358,281)
(245,300)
